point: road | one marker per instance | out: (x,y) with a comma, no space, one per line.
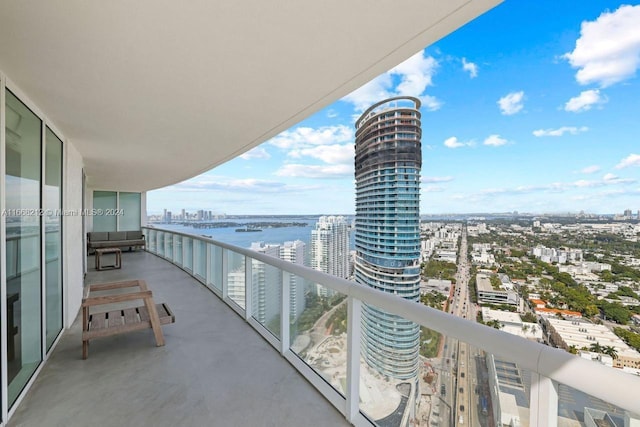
(462,370)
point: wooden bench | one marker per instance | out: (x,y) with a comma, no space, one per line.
(122,320)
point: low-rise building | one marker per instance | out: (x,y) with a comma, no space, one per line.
(512,323)
(487,294)
(581,335)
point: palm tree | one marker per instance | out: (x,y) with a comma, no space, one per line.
(610,351)
(573,349)
(596,348)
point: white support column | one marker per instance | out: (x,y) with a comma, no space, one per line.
(285,312)
(354,312)
(543,407)
(248,287)
(143,209)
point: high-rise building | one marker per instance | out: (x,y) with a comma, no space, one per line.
(267,290)
(294,252)
(330,248)
(387,170)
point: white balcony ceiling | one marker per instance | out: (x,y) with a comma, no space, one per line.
(154,92)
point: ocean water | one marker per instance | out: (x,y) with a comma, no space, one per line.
(277,235)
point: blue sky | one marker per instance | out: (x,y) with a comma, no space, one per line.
(534,107)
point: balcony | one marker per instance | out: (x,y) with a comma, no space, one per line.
(214,369)
(233,362)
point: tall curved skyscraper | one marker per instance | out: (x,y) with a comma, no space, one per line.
(387,171)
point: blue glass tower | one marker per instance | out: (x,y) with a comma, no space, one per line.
(387,171)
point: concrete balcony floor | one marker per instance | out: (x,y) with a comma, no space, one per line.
(214,370)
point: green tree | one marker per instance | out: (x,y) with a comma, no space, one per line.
(596,347)
(494,324)
(610,351)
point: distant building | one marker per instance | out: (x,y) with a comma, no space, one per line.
(267,281)
(330,248)
(488,295)
(581,335)
(294,252)
(512,323)
(266,285)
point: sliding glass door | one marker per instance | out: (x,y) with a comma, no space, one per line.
(23,157)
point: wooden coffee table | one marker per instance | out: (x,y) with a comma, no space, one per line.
(102,251)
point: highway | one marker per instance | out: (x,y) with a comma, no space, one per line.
(463,365)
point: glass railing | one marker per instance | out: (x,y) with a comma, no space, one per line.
(466,373)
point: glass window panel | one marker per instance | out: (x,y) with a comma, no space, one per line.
(53,235)
(214,275)
(129,211)
(319,330)
(236,278)
(23,154)
(390,366)
(200,260)
(151,237)
(104,202)
(266,298)
(159,241)
(168,245)
(177,250)
(187,263)
(575,406)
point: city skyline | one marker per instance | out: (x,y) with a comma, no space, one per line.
(515,118)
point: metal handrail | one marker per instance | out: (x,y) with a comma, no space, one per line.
(608,384)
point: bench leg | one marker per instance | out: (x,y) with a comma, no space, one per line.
(155,321)
(85,349)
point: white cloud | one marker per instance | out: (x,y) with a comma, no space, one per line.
(411,78)
(557,187)
(256,153)
(590,169)
(303,137)
(630,160)
(333,145)
(209,183)
(431,103)
(433,189)
(608,50)
(434,179)
(315,171)
(332,114)
(495,141)
(470,67)
(560,131)
(511,103)
(453,142)
(327,153)
(585,101)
